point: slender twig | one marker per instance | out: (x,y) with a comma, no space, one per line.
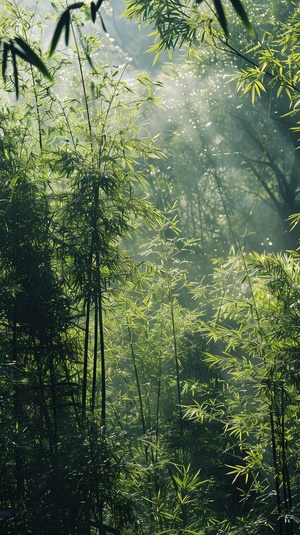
(85,357)
(276,467)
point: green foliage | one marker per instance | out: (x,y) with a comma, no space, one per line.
(275,60)
(65,22)
(15,47)
(37,347)
(119,416)
(152,335)
(177,23)
(257,323)
(70,170)
(18,48)
(233,168)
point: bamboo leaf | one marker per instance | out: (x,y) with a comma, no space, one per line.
(67,30)
(239,8)
(15,70)
(4,60)
(102,23)
(93,11)
(76,5)
(31,57)
(221,16)
(64,22)
(99,4)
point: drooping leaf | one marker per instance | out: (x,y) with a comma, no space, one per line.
(88,57)
(15,71)
(93,11)
(31,57)
(239,8)
(76,5)
(4,60)
(99,4)
(221,16)
(102,23)
(67,30)
(64,22)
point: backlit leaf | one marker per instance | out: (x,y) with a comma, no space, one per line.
(221,16)
(239,8)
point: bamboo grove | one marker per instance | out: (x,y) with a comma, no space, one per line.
(139,393)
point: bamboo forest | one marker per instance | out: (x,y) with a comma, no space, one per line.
(149,267)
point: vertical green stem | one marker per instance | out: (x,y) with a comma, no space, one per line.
(44,412)
(276,467)
(158,407)
(95,359)
(83,86)
(39,121)
(20,482)
(54,399)
(285,471)
(201,224)
(74,402)
(176,356)
(144,428)
(85,358)
(102,358)
(137,384)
